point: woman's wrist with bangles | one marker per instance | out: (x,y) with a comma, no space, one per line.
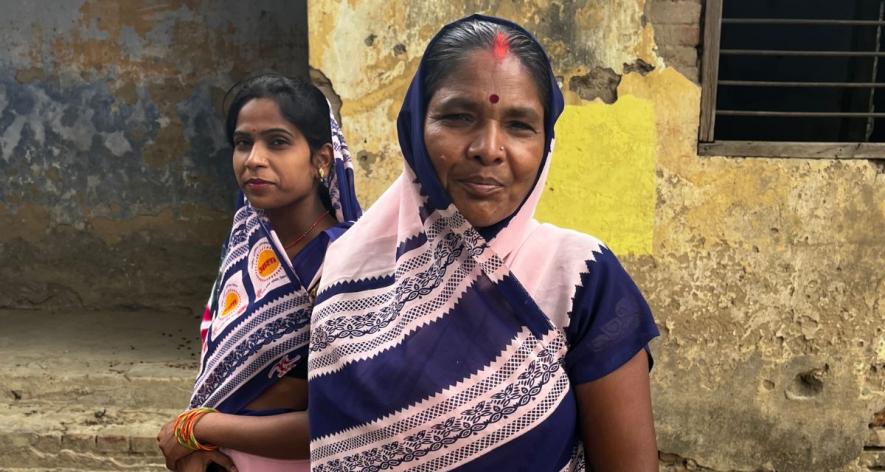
(184,429)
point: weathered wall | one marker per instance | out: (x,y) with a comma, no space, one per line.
(117,185)
(766,276)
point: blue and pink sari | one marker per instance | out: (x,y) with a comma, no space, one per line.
(434,347)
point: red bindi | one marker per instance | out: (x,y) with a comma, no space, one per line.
(501,47)
(494,98)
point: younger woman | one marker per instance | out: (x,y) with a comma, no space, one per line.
(295,174)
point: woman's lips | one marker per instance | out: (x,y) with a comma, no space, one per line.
(481,186)
(257,184)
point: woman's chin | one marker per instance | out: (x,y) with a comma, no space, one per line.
(483,220)
(260,203)
(485,214)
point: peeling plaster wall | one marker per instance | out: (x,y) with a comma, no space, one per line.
(766,276)
(117,186)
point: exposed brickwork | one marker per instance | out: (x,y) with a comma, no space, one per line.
(685,56)
(112,443)
(143,445)
(78,442)
(675,12)
(677,26)
(76,449)
(878,419)
(678,35)
(47,443)
(877,438)
(873,457)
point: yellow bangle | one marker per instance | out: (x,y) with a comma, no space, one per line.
(184,429)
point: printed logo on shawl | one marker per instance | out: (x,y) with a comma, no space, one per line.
(266,264)
(233,302)
(265,269)
(283,366)
(219,380)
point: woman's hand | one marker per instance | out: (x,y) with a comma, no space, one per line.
(198,461)
(172,451)
(283,436)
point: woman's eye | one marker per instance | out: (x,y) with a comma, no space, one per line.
(278,142)
(521,126)
(457,118)
(242,144)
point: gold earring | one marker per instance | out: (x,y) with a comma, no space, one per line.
(320,172)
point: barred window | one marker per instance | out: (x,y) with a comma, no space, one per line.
(793,78)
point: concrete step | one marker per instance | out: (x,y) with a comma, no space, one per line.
(131,385)
(50,435)
(124,359)
(89,390)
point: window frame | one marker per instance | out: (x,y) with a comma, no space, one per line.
(709,146)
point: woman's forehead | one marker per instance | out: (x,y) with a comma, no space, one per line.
(261,113)
(482,76)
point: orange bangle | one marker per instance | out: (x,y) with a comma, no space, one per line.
(184,429)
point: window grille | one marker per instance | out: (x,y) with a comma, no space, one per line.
(793,78)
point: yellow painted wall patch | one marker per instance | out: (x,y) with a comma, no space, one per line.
(602,179)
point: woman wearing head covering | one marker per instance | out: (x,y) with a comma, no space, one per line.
(295,173)
(452,330)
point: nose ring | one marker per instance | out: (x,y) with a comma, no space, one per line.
(501,148)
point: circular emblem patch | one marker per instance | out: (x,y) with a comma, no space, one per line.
(231,302)
(266,264)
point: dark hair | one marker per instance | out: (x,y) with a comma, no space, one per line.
(448,50)
(300,102)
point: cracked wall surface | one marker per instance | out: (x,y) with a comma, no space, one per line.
(117,186)
(765,275)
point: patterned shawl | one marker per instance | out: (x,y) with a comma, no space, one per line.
(256,324)
(433,348)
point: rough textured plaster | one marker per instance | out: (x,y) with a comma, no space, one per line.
(117,182)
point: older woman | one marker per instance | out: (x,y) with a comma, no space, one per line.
(451,328)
